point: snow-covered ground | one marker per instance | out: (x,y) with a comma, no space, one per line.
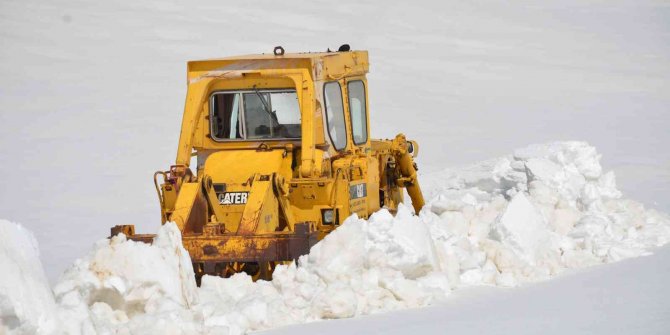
(91,96)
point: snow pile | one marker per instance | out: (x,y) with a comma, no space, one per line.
(366,266)
(128,285)
(526,217)
(26,302)
(363,267)
(531,215)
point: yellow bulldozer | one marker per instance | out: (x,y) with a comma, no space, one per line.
(283,157)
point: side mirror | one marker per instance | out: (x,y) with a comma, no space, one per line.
(413,148)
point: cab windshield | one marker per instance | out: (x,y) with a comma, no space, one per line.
(255,114)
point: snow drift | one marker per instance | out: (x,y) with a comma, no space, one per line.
(26,302)
(526,217)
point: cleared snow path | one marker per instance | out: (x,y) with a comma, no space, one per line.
(526,217)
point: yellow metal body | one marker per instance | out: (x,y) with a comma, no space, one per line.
(285,194)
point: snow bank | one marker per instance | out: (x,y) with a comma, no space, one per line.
(363,267)
(534,214)
(129,286)
(26,302)
(526,217)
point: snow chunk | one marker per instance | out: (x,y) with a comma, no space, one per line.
(122,279)
(522,227)
(26,302)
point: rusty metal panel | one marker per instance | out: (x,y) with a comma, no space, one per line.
(275,247)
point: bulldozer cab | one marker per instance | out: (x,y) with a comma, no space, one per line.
(315,101)
(283,157)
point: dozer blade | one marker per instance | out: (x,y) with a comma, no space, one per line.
(226,254)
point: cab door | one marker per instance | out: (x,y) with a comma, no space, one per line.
(347,122)
(364,182)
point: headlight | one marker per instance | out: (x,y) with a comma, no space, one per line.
(328,216)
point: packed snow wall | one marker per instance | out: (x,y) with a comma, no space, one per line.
(525,217)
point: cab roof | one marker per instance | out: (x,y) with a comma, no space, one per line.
(301,55)
(331,63)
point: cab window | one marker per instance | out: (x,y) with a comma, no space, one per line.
(225,118)
(335,115)
(359,118)
(259,114)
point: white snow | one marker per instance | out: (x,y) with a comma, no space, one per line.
(26,302)
(628,297)
(522,227)
(123,282)
(522,218)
